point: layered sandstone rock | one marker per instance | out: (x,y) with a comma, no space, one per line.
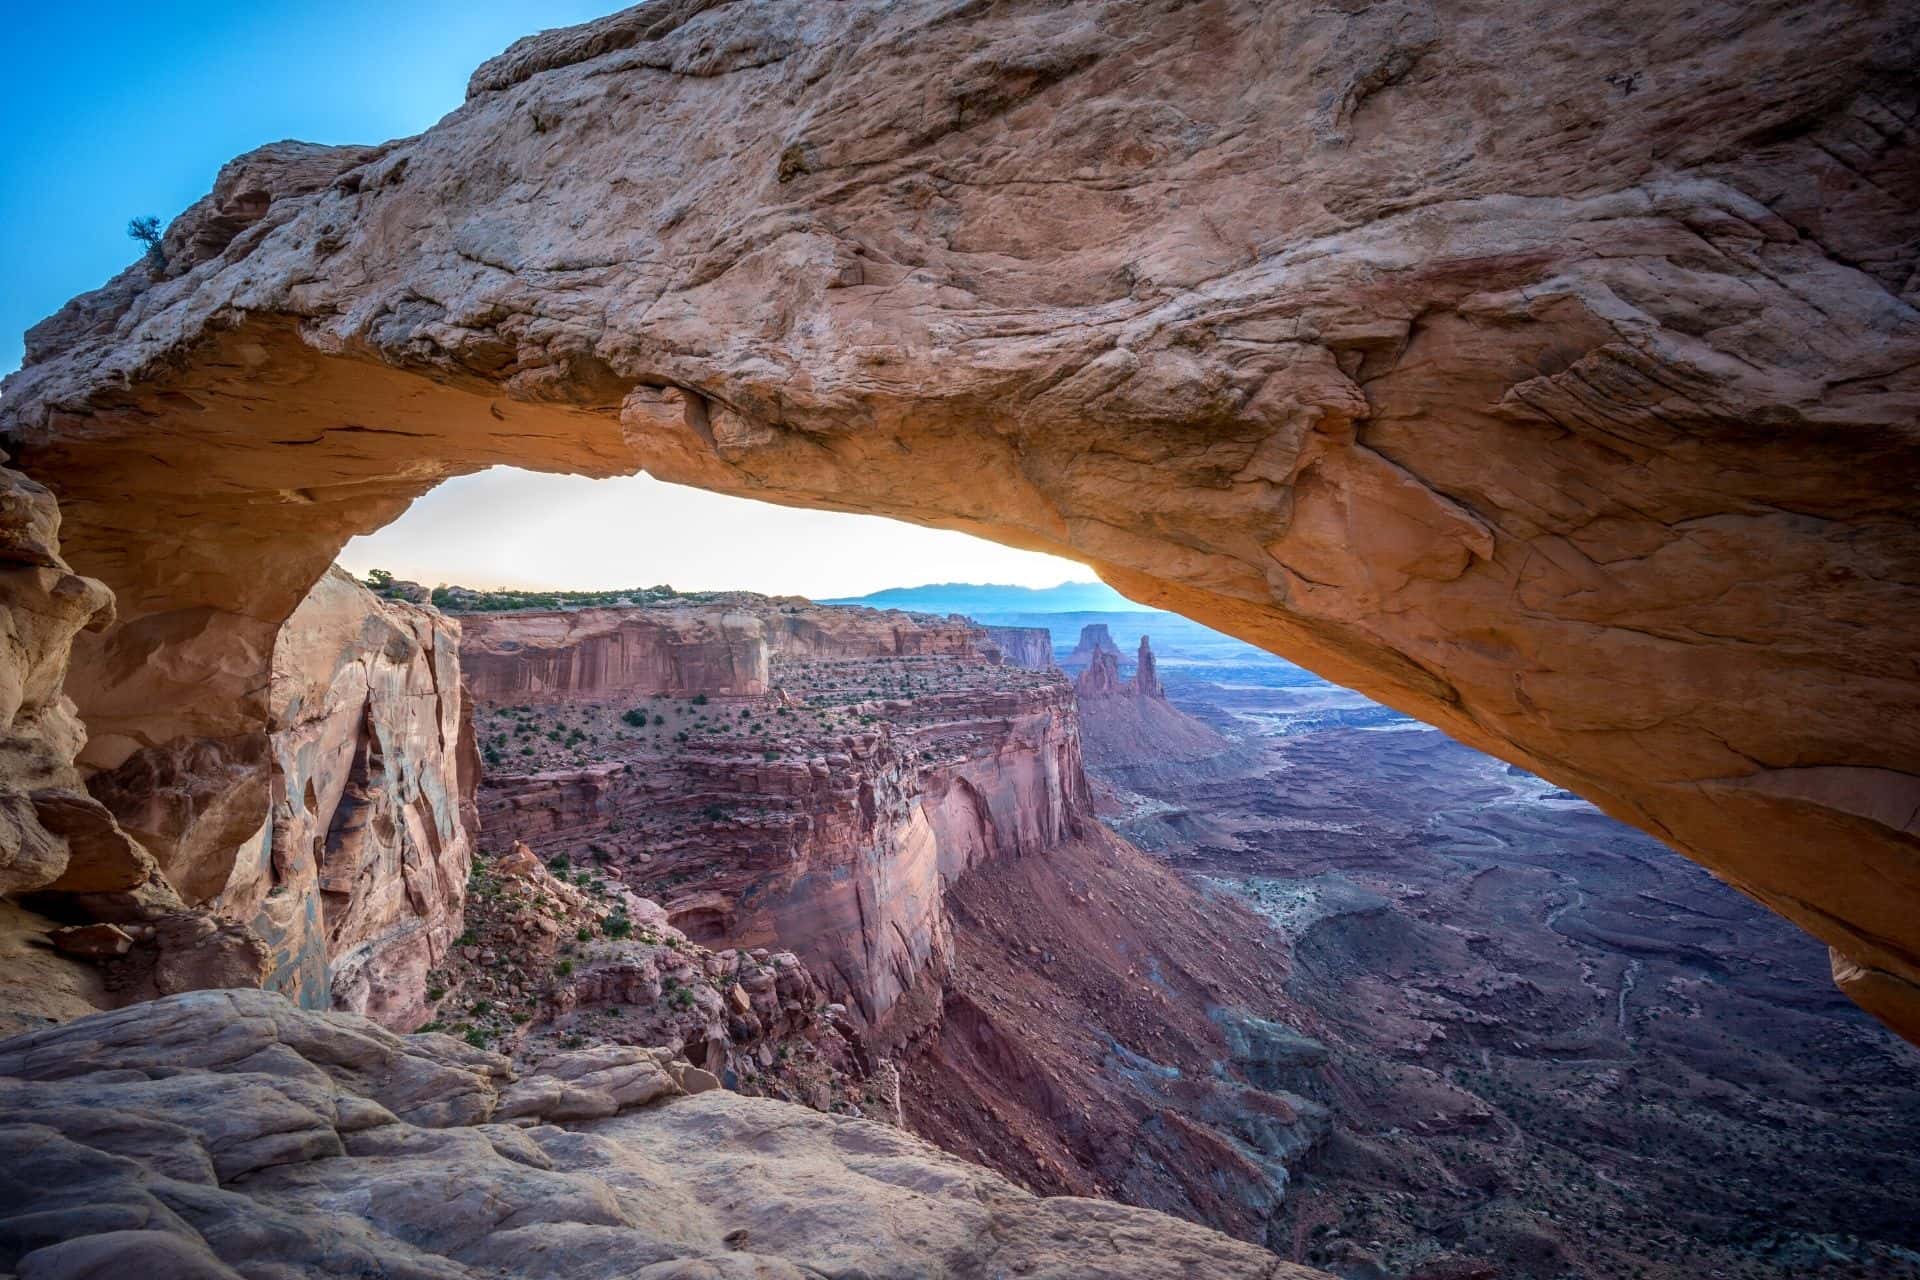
(1546,372)
(226,1134)
(1128,726)
(1030,647)
(613,653)
(51,834)
(825,817)
(1095,640)
(556,958)
(1101,679)
(1146,673)
(801,631)
(360,884)
(349,886)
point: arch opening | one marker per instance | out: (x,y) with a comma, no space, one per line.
(211,497)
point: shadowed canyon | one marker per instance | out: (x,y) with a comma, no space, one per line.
(1542,376)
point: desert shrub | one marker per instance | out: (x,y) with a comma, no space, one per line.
(147,231)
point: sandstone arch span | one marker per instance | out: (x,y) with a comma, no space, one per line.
(1547,371)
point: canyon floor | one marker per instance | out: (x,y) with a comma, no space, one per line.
(1319,976)
(1556,1048)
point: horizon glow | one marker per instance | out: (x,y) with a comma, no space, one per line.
(507,528)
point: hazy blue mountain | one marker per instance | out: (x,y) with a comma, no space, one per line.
(976,599)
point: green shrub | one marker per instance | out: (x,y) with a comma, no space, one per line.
(147,231)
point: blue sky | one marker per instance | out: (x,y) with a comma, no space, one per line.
(114,110)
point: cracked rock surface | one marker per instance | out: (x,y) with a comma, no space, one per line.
(228,1134)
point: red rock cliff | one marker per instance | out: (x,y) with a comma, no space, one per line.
(1024,646)
(360,885)
(609,653)
(826,817)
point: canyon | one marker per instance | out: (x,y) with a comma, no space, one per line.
(890,258)
(906,810)
(1541,1032)
(1545,373)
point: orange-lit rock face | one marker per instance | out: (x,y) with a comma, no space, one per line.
(340,835)
(1547,372)
(360,888)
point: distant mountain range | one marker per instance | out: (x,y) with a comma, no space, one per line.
(977,599)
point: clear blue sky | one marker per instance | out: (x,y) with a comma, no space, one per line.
(113,110)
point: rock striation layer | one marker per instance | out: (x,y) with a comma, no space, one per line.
(1095,640)
(1547,372)
(1030,647)
(228,1134)
(613,653)
(824,814)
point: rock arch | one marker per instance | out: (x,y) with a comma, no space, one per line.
(1547,371)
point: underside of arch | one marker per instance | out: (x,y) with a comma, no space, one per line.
(1593,448)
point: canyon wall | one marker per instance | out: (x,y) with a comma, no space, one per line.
(1543,370)
(826,817)
(1030,647)
(809,631)
(613,653)
(347,887)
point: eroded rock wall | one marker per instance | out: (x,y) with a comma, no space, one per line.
(614,653)
(826,816)
(1024,646)
(1546,371)
(359,886)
